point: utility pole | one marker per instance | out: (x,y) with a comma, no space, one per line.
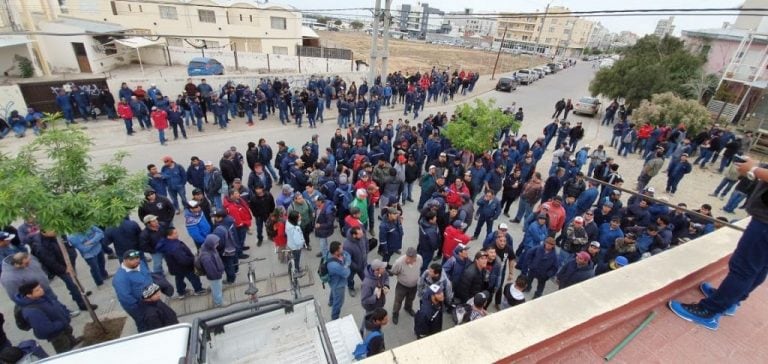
(374,43)
(385,52)
(498,55)
(538,37)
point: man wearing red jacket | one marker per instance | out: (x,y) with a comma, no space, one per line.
(457,190)
(126,113)
(160,120)
(452,237)
(554,209)
(238,208)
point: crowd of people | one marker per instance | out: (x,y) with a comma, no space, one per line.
(347,199)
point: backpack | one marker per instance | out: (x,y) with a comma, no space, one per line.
(628,138)
(198,266)
(344,197)
(322,270)
(273,218)
(461,313)
(21,322)
(361,350)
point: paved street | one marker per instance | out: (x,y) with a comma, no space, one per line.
(537,101)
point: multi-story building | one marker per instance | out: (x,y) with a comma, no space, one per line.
(415,19)
(750,22)
(246,25)
(599,37)
(664,27)
(468,24)
(627,38)
(552,32)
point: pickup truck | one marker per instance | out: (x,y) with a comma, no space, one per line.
(271,331)
(526,76)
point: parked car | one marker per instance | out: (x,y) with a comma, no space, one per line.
(204,66)
(526,76)
(606,63)
(540,71)
(506,84)
(587,105)
(547,70)
(553,67)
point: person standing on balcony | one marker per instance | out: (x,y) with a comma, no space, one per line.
(748,265)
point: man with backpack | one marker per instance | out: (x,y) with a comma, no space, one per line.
(373,341)
(42,313)
(336,274)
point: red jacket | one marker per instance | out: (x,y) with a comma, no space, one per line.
(160,119)
(373,197)
(645,131)
(453,198)
(452,237)
(124,111)
(239,211)
(556,215)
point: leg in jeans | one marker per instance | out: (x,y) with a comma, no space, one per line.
(93,264)
(181,286)
(746,269)
(337,300)
(230,262)
(734,201)
(216,291)
(260,229)
(296,259)
(102,264)
(540,284)
(195,280)
(522,209)
(73,290)
(157,263)
(323,245)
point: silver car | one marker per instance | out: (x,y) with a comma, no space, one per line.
(587,105)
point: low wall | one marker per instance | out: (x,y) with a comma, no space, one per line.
(249,62)
(11,99)
(504,334)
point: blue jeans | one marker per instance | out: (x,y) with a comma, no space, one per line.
(337,300)
(480,222)
(181,286)
(296,258)
(249,115)
(564,257)
(724,162)
(703,157)
(216,291)
(323,245)
(672,182)
(128,125)
(69,115)
(407,192)
(624,149)
(615,141)
(216,201)
(311,120)
(320,108)
(161,135)
(230,267)
(298,119)
(176,192)
(725,185)
(523,209)
(97,265)
(734,201)
(157,263)
(242,231)
(260,228)
(746,269)
(233,110)
(271,170)
(188,117)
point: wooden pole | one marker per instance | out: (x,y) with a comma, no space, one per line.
(498,55)
(71,272)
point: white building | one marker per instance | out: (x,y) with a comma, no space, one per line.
(664,27)
(464,22)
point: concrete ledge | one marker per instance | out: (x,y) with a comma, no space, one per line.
(549,323)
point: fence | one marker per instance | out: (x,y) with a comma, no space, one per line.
(323,52)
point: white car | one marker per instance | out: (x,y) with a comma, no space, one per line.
(540,71)
(526,76)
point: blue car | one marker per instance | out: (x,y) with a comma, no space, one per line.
(204,66)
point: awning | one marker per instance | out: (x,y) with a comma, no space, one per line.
(11,40)
(307,32)
(137,42)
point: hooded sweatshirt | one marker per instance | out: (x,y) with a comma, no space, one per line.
(426,281)
(47,316)
(376,345)
(12,277)
(358,252)
(370,283)
(209,258)
(178,257)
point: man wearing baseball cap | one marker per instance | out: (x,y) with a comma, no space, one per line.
(6,248)
(129,282)
(576,270)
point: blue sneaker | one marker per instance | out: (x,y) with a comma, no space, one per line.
(708,290)
(696,314)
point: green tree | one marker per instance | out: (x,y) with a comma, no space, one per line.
(702,83)
(651,66)
(356,25)
(668,108)
(476,126)
(53,180)
(337,22)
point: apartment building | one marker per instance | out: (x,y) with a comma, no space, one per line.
(553,31)
(467,24)
(246,25)
(664,27)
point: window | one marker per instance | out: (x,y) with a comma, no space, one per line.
(251,18)
(212,44)
(280,50)
(206,16)
(168,12)
(114,8)
(241,17)
(277,22)
(551,29)
(175,42)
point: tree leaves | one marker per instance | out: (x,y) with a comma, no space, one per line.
(667,108)
(476,127)
(52,178)
(651,66)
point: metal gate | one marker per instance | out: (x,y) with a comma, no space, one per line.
(42,95)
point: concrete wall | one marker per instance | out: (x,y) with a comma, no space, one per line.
(500,335)
(8,61)
(173,86)
(61,56)
(249,62)
(11,99)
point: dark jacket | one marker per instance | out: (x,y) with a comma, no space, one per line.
(429,319)
(358,252)
(537,262)
(124,237)
(376,345)
(472,281)
(367,290)
(429,237)
(149,238)
(47,316)
(325,219)
(162,208)
(228,170)
(47,251)
(196,175)
(155,315)
(209,258)
(179,258)
(570,273)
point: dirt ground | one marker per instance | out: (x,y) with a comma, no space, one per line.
(415,55)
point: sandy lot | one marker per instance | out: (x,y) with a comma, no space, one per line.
(415,56)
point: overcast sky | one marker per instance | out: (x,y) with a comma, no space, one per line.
(639,24)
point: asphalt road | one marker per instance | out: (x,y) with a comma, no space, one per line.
(537,101)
